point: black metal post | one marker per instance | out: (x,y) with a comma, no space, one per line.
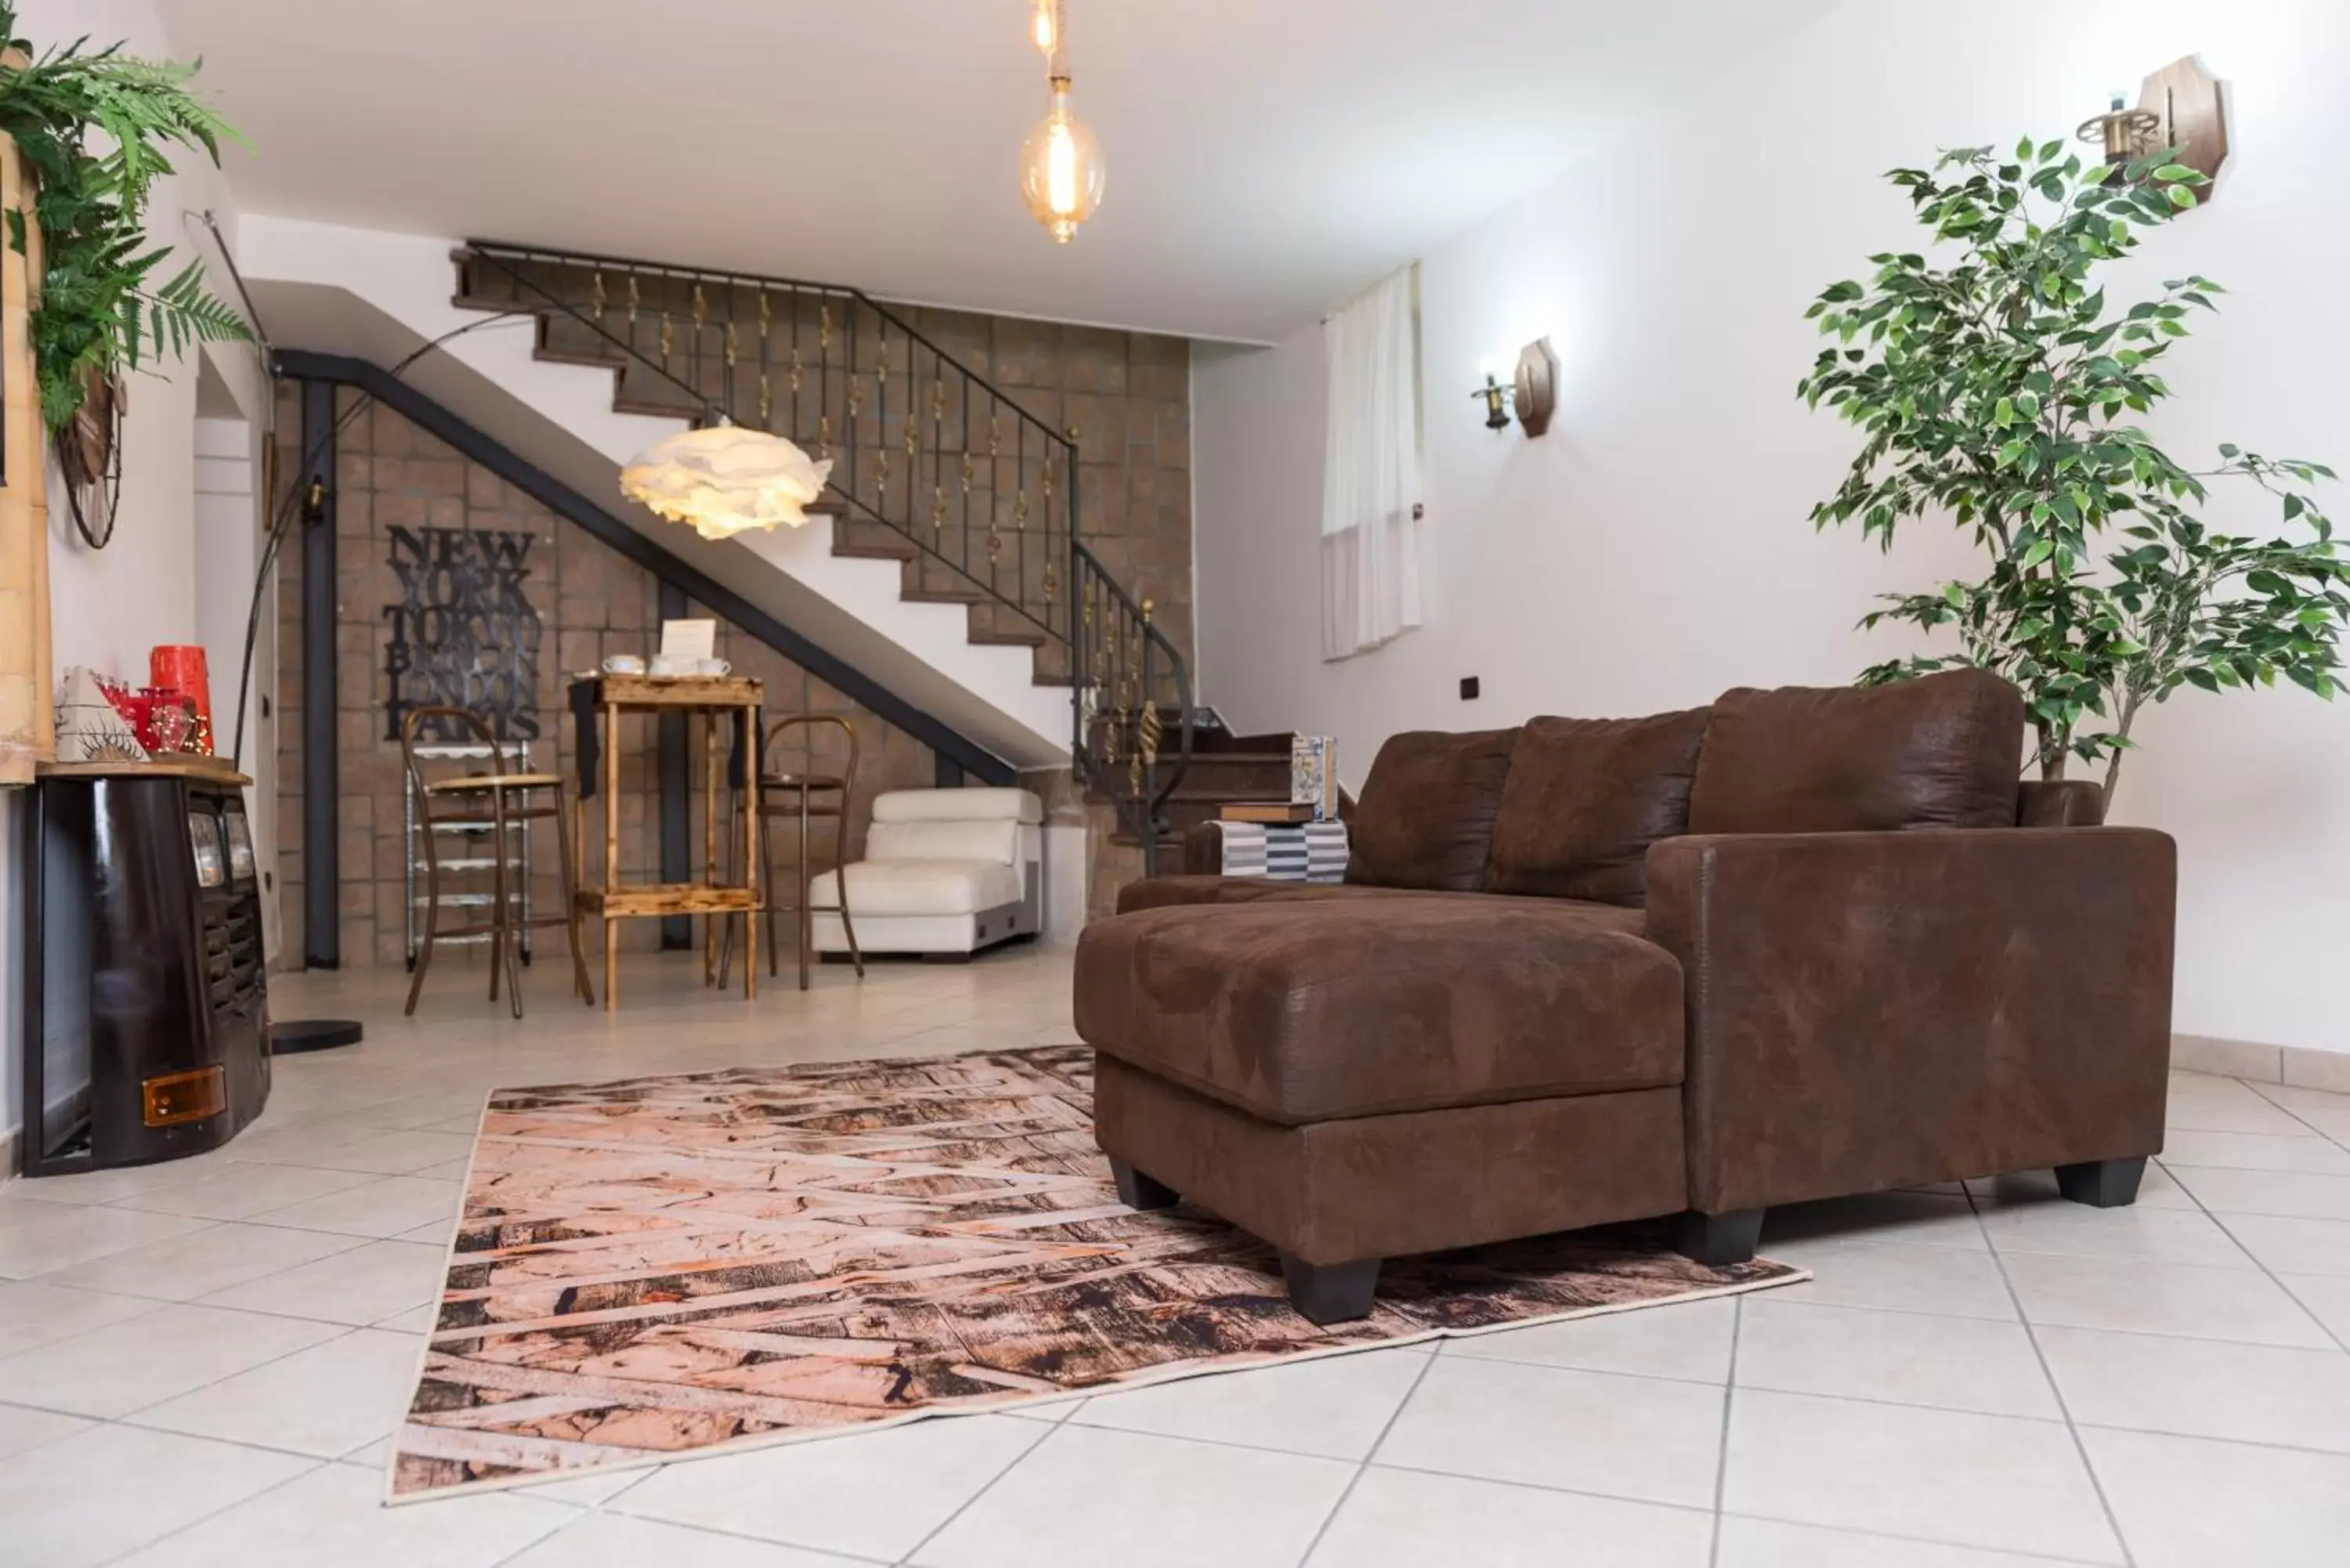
(322,946)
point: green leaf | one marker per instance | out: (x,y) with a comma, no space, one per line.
(99,315)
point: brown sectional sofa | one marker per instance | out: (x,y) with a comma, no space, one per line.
(1800,944)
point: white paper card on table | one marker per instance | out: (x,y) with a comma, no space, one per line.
(689,639)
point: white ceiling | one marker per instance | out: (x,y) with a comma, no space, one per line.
(1265,157)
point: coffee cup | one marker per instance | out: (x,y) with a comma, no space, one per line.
(624,664)
(667,664)
(711,667)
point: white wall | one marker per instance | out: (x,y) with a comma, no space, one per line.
(109,606)
(1653,548)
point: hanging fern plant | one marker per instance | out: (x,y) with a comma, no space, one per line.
(102,311)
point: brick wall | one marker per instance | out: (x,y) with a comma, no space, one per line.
(590,602)
(1128,397)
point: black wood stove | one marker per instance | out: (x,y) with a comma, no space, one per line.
(146,1000)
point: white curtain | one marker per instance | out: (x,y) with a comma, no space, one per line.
(1370,473)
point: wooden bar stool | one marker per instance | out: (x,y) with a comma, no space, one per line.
(808,797)
(498,801)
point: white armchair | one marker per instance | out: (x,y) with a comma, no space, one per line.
(946,872)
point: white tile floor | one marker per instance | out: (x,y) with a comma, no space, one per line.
(199,1363)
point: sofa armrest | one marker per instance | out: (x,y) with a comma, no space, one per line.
(1877,1009)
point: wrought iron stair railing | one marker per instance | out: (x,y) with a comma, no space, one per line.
(932,465)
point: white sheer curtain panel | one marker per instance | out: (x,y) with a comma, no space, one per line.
(1370,473)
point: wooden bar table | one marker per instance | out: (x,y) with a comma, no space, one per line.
(714,698)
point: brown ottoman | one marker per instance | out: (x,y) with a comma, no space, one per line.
(1358,1079)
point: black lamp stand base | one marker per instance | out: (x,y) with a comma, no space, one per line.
(313,1034)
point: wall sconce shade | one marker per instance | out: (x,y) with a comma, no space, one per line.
(2194,116)
(1537,394)
(2179,107)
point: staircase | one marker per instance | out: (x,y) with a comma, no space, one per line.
(936,472)
(934,469)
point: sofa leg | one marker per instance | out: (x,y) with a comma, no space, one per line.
(1330,1292)
(1718,1241)
(2102,1183)
(1137,1190)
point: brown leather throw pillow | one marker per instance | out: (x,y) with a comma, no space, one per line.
(1941,751)
(1585,800)
(1426,819)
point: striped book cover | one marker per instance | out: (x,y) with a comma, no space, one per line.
(1307,852)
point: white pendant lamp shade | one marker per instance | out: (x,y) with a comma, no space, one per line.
(725,479)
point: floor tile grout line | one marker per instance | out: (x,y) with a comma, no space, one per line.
(2210,1438)
(2217,1219)
(215,1513)
(1363,1465)
(984,1487)
(158,1305)
(1516,1484)
(201,1226)
(356,1244)
(602,1506)
(1722,1447)
(2288,1109)
(125,1419)
(1917,1540)
(1957,1317)
(2064,1406)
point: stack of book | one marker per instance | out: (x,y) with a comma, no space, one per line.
(1267,811)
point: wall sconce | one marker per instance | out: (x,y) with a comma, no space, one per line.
(2179,106)
(1497,399)
(1533,393)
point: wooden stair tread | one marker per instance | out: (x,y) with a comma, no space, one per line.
(942,596)
(652,409)
(582,357)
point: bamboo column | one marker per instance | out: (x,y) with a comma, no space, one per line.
(28,719)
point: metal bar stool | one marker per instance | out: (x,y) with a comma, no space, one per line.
(498,801)
(809,797)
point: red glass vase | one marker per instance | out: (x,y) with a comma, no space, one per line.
(180,667)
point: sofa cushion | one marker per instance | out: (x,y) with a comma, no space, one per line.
(1426,818)
(1306,1010)
(918,887)
(1161,892)
(1587,797)
(969,804)
(1941,750)
(935,840)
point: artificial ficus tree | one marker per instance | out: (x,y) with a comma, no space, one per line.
(1998,386)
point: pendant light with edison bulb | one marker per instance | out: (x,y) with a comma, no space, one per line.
(1061,165)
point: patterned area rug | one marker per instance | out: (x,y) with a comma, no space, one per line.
(667,1266)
